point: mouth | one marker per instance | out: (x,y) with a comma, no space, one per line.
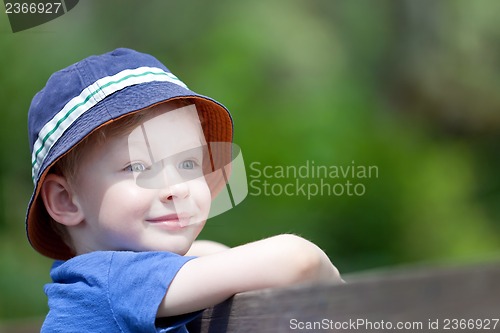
(171,221)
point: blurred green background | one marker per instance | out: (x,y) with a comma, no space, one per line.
(410,87)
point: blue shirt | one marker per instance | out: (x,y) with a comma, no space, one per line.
(112,291)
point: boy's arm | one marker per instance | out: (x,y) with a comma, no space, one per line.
(272,262)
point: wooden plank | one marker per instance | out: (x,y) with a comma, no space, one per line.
(28,325)
(423,299)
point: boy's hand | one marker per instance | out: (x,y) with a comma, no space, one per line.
(272,262)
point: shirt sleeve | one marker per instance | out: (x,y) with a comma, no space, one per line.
(137,283)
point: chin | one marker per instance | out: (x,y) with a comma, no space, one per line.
(180,249)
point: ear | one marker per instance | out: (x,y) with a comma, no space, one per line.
(59,200)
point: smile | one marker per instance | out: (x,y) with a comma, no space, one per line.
(171,221)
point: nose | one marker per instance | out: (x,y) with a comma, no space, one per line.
(173,186)
(177,191)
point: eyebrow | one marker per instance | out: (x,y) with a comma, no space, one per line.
(191,144)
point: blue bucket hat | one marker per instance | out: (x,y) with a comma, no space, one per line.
(87,95)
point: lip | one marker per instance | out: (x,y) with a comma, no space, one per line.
(171,221)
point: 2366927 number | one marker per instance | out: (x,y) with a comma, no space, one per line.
(470,324)
(32,8)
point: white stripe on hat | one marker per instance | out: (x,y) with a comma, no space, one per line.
(90,96)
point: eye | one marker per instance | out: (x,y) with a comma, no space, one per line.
(136,167)
(188,164)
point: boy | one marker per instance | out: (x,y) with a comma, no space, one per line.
(125,170)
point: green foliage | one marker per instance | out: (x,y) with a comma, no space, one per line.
(392,85)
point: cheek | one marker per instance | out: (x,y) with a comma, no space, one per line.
(201,193)
(120,200)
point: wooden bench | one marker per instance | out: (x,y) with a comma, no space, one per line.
(421,299)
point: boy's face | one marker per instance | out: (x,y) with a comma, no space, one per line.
(145,190)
